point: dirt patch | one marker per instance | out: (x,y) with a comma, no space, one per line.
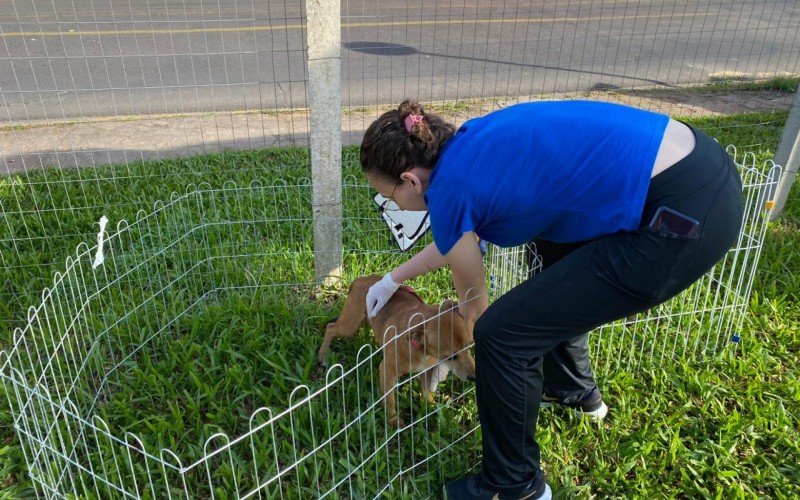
(689,102)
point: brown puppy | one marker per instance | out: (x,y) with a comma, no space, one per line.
(416,337)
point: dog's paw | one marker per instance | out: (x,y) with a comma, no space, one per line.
(319,373)
(396,422)
(322,359)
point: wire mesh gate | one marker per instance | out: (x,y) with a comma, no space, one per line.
(701,320)
(85,378)
(110,85)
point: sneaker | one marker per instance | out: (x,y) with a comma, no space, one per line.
(591,405)
(471,487)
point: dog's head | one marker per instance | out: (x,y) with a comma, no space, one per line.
(445,338)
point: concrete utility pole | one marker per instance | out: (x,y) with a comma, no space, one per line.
(788,155)
(324,93)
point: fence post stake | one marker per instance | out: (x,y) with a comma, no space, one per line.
(788,155)
(324,92)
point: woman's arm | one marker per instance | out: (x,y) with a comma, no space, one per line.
(423,262)
(426,260)
(466,262)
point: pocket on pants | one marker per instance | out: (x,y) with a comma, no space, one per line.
(646,263)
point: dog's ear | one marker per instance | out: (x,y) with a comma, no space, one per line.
(448,304)
(418,337)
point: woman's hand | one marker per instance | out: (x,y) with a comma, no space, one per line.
(379,294)
(427,260)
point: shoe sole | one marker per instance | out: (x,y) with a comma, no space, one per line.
(547,494)
(598,414)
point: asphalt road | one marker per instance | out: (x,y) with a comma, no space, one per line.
(66,59)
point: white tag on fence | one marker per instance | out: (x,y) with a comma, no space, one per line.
(99,257)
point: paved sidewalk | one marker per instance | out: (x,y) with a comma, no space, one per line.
(98,141)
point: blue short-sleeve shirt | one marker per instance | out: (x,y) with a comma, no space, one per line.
(564,171)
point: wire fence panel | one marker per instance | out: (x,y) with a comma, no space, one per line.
(697,323)
(126,380)
(64,61)
(488,54)
(113,85)
(98,99)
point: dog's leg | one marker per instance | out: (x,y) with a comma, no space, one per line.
(388,381)
(333,330)
(354,313)
(427,393)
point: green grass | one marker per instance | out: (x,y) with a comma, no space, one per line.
(786,83)
(721,428)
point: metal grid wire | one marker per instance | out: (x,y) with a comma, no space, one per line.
(68,62)
(111,84)
(470,58)
(701,320)
(103,332)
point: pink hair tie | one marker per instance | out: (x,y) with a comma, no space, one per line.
(412,120)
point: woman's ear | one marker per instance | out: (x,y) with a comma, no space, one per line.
(411,177)
(417,177)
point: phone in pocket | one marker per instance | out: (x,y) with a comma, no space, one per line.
(673,222)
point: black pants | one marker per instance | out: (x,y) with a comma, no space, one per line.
(567,369)
(605,279)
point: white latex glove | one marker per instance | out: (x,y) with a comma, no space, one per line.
(379,294)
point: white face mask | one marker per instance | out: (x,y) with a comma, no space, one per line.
(406,226)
